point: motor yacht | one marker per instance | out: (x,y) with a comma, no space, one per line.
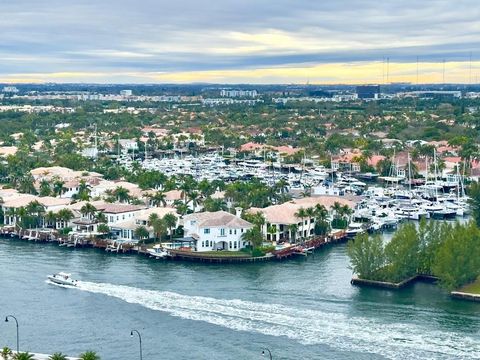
(158,252)
(355,228)
(62,278)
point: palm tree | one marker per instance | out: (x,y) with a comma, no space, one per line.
(6,353)
(45,189)
(293,229)
(101,217)
(65,215)
(89,355)
(254,237)
(21,217)
(301,214)
(272,230)
(84,191)
(103,228)
(51,218)
(58,187)
(142,233)
(321,223)
(10,213)
(57,356)
(181,207)
(171,222)
(23,356)
(36,211)
(158,199)
(121,194)
(310,213)
(159,228)
(337,211)
(346,212)
(88,210)
(185,188)
(194,198)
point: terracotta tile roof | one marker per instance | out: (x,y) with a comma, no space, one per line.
(285,213)
(218,219)
(121,208)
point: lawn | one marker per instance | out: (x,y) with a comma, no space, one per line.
(224,253)
(473,288)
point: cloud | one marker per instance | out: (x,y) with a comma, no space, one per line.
(144,37)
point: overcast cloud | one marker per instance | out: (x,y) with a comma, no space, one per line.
(124,39)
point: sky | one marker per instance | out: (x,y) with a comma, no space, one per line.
(240,41)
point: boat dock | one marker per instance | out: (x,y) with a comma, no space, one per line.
(303,249)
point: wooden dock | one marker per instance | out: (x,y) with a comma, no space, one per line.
(303,249)
(212,258)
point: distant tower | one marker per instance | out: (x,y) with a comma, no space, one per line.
(417,70)
(470,69)
(443,77)
(388,70)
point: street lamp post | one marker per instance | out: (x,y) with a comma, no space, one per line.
(16,322)
(139,338)
(269,352)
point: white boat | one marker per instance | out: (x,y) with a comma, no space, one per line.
(354,229)
(158,252)
(62,279)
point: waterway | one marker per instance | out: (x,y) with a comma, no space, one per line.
(299,309)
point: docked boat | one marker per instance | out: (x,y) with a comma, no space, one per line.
(354,229)
(158,252)
(62,279)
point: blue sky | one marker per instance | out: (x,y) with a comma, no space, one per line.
(259,41)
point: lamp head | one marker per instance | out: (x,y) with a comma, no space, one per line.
(131,333)
(6,318)
(263,352)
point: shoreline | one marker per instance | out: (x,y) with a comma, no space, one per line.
(456,295)
(304,249)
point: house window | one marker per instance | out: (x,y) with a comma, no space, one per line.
(111,218)
(203,243)
(234,244)
(230,231)
(235,231)
(206,231)
(222,232)
(230,245)
(241,230)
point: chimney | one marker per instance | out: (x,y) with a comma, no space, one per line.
(238,212)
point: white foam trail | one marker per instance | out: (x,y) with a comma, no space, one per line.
(307,326)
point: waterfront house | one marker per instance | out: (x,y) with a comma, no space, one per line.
(125,230)
(217,230)
(287,224)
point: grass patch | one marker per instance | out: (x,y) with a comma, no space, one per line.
(223,253)
(473,288)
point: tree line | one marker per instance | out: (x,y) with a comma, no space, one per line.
(448,251)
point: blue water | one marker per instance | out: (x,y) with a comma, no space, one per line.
(300,309)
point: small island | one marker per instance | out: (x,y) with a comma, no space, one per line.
(442,252)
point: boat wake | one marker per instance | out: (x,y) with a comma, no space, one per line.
(307,326)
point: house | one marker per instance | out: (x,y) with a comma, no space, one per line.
(217,230)
(283,218)
(125,230)
(16,201)
(116,213)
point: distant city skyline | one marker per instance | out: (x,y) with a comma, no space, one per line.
(258,42)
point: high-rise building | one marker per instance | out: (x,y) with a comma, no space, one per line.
(368,91)
(126,93)
(10,89)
